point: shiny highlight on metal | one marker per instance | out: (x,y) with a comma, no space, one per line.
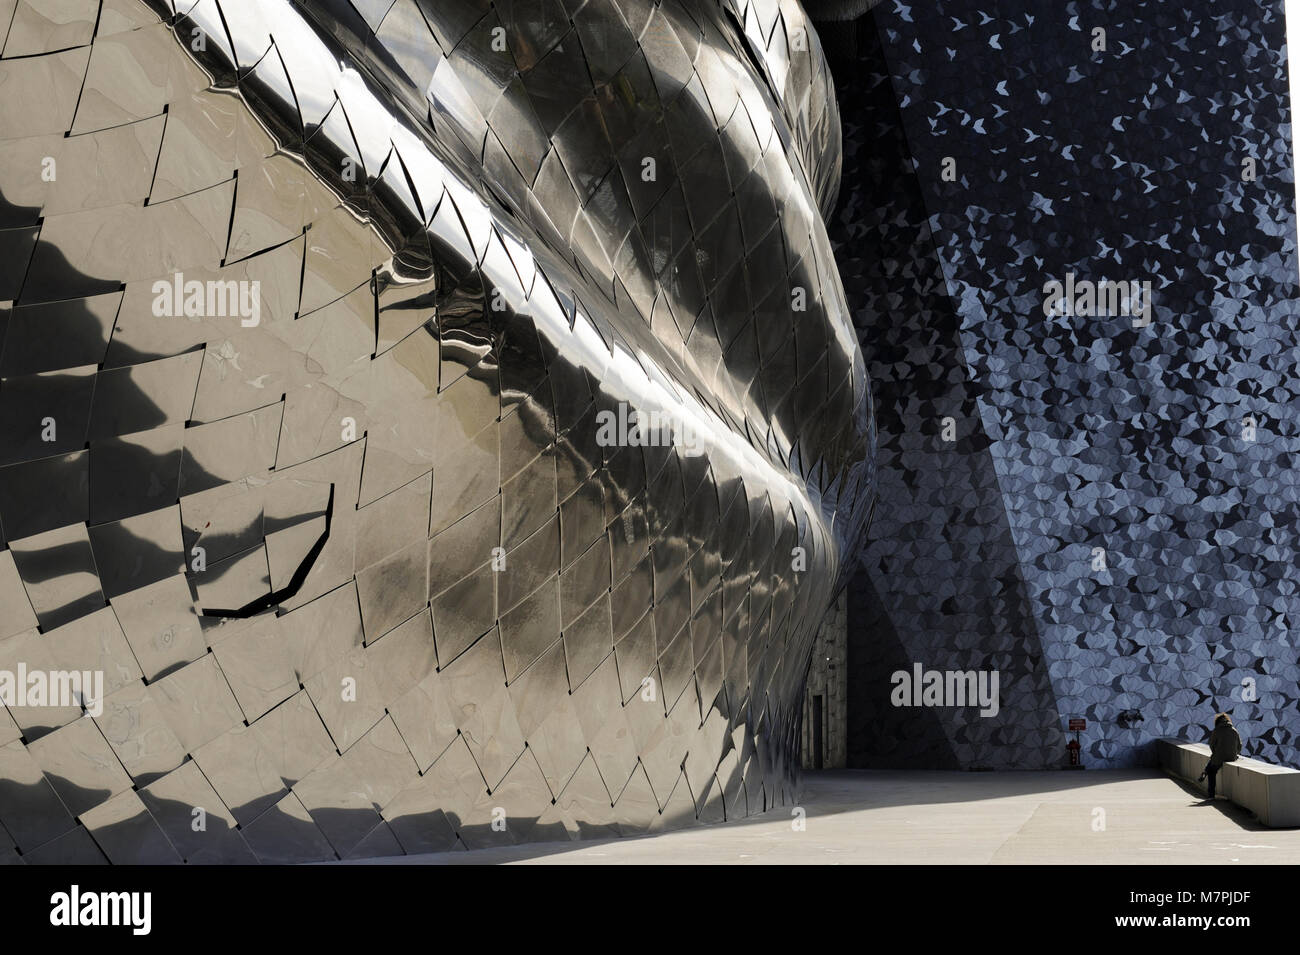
(315,319)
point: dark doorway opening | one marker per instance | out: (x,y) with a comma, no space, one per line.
(817,732)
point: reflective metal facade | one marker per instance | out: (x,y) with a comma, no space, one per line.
(314,314)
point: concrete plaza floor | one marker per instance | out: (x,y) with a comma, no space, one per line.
(1087,817)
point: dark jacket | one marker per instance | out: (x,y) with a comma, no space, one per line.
(1225,744)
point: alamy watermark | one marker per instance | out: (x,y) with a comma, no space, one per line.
(922,687)
(627,428)
(213,298)
(53,688)
(1085,297)
(130,909)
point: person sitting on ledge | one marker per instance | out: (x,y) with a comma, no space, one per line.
(1225,746)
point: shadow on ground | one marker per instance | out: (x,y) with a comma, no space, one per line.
(830,793)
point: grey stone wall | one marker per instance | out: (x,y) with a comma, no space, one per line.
(827,679)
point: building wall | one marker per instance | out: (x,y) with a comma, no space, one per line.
(365,573)
(828,680)
(1168,451)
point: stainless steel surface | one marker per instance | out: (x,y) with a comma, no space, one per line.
(361,571)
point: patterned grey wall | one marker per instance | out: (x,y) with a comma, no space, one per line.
(1171,446)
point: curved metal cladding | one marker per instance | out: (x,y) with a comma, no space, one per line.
(424,415)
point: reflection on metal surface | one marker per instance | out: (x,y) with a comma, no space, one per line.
(317,311)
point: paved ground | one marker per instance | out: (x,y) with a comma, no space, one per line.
(935,817)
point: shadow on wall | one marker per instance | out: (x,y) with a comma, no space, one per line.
(940,581)
(1146,470)
(58,361)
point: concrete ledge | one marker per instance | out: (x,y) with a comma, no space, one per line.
(1271,792)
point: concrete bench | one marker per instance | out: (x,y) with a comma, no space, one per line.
(1271,792)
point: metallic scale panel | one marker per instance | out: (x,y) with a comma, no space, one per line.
(315,317)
